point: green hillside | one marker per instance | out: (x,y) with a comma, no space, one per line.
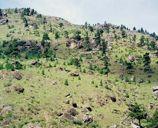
(54,74)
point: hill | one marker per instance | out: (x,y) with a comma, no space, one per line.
(55,74)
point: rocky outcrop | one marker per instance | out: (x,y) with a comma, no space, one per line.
(155,91)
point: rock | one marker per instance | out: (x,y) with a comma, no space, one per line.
(59,113)
(68,116)
(113,126)
(72,112)
(74,105)
(151,106)
(155,91)
(87,119)
(155,88)
(19,89)
(68,95)
(135,125)
(67,101)
(35,63)
(113,98)
(5,109)
(17,75)
(30,125)
(131,58)
(75,74)
(89,109)
(54,82)
(140,81)
(3,21)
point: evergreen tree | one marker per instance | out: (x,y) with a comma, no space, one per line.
(45,38)
(146,61)
(142,41)
(153,121)
(25,22)
(86,25)
(86,43)
(1,13)
(66,34)
(105,70)
(57,36)
(137,112)
(104,46)
(98,37)
(134,29)
(61,25)
(77,35)
(124,35)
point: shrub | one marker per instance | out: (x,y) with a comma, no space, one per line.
(66,82)
(74,61)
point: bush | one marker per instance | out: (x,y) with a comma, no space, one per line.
(75,62)
(66,82)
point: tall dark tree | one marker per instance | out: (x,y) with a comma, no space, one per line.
(45,39)
(105,70)
(86,25)
(57,35)
(146,61)
(86,42)
(1,13)
(142,41)
(98,37)
(25,22)
(104,46)
(134,29)
(77,35)
(66,34)
(61,25)
(124,34)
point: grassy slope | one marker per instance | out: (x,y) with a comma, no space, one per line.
(47,99)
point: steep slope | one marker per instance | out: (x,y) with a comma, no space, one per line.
(54,74)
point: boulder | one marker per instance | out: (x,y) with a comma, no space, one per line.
(113,98)
(68,116)
(87,119)
(30,125)
(72,112)
(155,91)
(19,89)
(35,63)
(3,21)
(5,109)
(75,74)
(113,126)
(74,105)
(135,125)
(17,75)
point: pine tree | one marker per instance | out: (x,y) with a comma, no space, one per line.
(146,61)
(86,43)
(98,37)
(57,36)
(45,38)
(124,35)
(25,22)
(142,41)
(137,112)
(1,13)
(104,46)
(77,35)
